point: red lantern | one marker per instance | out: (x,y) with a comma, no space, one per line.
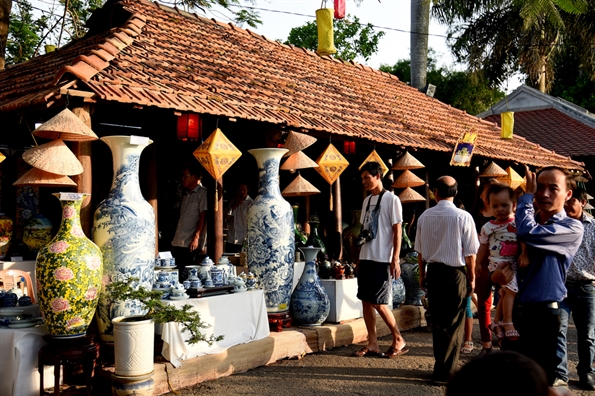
(189,127)
(339,9)
(348,147)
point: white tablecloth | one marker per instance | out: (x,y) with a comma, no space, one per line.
(239,317)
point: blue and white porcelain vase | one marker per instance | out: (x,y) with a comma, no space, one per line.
(398,292)
(310,304)
(270,233)
(124,230)
(410,275)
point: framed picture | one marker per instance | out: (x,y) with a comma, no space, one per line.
(461,155)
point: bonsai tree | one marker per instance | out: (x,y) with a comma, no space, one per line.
(161,312)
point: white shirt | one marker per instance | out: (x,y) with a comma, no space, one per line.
(446,234)
(193,204)
(380,249)
(237,225)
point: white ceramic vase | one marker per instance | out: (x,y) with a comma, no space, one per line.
(133,346)
(124,230)
(270,233)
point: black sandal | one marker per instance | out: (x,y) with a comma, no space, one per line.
(485,351)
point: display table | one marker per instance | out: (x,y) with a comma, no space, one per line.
(239,317)
(343,297)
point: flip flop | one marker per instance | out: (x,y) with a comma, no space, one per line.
(365,352)
(391,352)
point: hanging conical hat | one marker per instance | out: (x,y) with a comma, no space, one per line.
(66,126)
(589,196)
(493,170)
(588,206)
(513,179)
(299,187)
(40,177)
(297,142)
(408,179)
(407,161)
(54,157)
(410,195)
(298,160)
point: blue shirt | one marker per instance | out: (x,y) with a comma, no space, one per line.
(551,248)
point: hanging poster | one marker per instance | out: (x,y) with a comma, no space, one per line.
(461,155)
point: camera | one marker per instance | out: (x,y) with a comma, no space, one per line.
(364,236)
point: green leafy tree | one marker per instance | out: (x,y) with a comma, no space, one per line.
(459,89)
(23,33)
(572,83)
(352,39)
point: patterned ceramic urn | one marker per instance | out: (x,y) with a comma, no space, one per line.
(5,234)
(310,304)
(124,229)
(69,271)
(270,233)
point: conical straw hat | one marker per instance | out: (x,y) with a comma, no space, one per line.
(589,196)
(407,161)
(40,177)
(408,179)
(410,195)
(493,170)
(298,160)
(297,142)
(66,126)
(299,187)
(54,157)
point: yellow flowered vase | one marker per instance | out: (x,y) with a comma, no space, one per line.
(69,270)
(5,234)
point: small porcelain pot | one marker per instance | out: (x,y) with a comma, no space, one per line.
(9,300)
(25,301)
(250,281)
(196,284)
(187,284)
(217,276)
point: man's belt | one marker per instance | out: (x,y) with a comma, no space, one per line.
(580,282)
(545,304)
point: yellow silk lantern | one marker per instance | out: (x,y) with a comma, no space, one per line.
(374,157)
(217,154)
(330,166)
(514,180)
(324,23)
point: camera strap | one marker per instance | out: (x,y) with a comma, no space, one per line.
(377,203)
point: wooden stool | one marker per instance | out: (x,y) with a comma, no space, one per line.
(60,351)
(277,321)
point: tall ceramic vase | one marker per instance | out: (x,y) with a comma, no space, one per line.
(310,304)
(69,272)
(124,229)
(270,234)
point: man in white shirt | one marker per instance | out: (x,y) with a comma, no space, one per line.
(447,242)
(379,260)
(236,214)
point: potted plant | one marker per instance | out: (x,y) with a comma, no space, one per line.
(133,336)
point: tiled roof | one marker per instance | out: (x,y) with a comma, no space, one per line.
(554,130)
(167,58)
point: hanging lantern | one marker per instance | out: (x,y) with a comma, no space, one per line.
(330,166)
(349,147)
(513,179)
(2,156)
(324,23)
(339,9)
(374,157)
(189,127)
(217,154)
(408,179)
(493,170)
(407,161)
(507,121)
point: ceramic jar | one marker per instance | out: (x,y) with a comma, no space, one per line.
(124,229)
(204,272)
(270,233)
(227,267)
(9,300)
(5,234)
(25,301)
(350,234)
(398,292)
(250,281)
(217,275)
(69,271)
(325,270)
(133,346)
(37,232)
(310,304)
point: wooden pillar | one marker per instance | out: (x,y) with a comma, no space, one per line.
(307,211)
(218,222)
(152,188)
(427,186)
(390,175)
(338,210)
(84,181)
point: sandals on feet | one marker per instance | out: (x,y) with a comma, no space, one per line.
(368,353)
(513,334)
(392,352)
(467,347)
(497,330)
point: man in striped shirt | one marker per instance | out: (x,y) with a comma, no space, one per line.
(446,242)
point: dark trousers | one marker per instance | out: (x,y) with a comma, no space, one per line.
(184,257)
(483,288)
(447,291)
(538,325)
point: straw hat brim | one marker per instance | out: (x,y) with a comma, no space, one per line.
(38,177)
(66,126)
(493,170)
(299,187)
(54,157)
(298,160)
(407,161)
(410,195)
(297,142)
(408,179)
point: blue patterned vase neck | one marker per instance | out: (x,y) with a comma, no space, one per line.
(268,161)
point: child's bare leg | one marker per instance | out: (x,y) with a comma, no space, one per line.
(507,305)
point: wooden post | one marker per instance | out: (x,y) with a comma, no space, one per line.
(218,222)
(84,181)
(427,186)
(307,210)
(152,188)
(337,208)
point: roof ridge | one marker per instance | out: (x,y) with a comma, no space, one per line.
(85,67)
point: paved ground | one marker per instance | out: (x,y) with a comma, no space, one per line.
(336,372)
